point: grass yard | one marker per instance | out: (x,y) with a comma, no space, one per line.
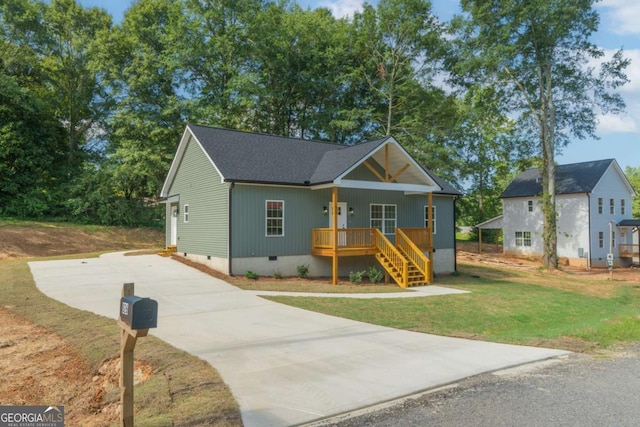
(530,307)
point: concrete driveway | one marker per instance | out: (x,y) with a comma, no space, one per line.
(284,365)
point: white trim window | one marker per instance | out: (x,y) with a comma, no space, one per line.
(274,218)
(426,218)
(523,238)
(612,206)
(600,203)
(530,205)
(622,207)
(185,214)
(383,217)
(601,239)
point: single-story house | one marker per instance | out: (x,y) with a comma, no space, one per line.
(239,201)
(594,218)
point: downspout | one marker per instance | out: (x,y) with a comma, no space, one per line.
(230,236)
(455,242)
(589,207)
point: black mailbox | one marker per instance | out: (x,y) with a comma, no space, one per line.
(139,313)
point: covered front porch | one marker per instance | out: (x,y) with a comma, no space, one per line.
(406,256)
(405,261)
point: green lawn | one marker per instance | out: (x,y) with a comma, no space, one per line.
(501,311)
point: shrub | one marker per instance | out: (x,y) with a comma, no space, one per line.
(374,274)
(303,271)
(277,274)
(356,277)
(251,275)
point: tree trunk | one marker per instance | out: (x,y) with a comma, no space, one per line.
(547,121)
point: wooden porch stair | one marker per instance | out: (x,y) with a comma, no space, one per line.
(166,252)
(404,262)
(414,276)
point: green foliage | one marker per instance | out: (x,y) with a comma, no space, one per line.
(251,275)
(633,175)
(374,274)
(277,274)
(355,277)
(303,270)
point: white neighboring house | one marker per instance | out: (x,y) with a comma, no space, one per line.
(594,218)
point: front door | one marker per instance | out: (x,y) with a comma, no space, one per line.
(342,221)
(174,224)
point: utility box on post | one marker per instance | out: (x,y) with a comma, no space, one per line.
(139,313)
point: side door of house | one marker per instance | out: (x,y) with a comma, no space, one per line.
(342,221)
(174,224)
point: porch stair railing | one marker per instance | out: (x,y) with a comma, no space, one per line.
(404,262)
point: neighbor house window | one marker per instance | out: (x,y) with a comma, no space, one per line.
(612,206)
(600,205)
(613,239)
(622,207)
(274,218)
(383,217)
(426,218)
(601,239)
(185,210)
(523,238)
(530,205)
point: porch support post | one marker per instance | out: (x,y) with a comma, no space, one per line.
(334,231)
(430,211)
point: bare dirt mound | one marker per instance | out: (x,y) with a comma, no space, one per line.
(49,239)
(37,366)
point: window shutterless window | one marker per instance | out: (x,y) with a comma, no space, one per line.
(523,238)
(530,205)
(274,218)
(383,217)
(426,218)
(622,207)
(518,238)
(601,239)
(185,210)
(612,206)
(600,205)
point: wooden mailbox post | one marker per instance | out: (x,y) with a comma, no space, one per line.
(137,315)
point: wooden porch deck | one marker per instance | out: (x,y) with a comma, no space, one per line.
(405,261)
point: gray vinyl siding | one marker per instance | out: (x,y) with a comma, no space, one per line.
(199,185)
(303,210)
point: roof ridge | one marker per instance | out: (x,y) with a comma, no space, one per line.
(247,132)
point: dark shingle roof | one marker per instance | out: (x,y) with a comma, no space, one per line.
(269,159)
(570,179)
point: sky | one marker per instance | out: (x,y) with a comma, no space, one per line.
(619,135)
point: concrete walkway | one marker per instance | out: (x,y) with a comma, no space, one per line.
(284,365)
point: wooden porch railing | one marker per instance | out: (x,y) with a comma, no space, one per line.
(626,250)
(414,254)
(322,238)
(421,237)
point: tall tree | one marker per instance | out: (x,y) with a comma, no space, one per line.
(31,137)
(490,150)
(539,55)
(143,76)
(67,57)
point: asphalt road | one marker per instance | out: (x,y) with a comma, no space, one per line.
(575,390)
